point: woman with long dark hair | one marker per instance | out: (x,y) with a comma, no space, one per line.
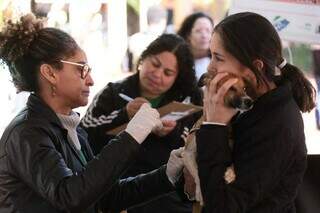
(196,29)
(164,74)
(269,151)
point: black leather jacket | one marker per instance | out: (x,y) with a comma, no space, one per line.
(40,171)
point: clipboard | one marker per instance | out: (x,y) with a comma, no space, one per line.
(172,111)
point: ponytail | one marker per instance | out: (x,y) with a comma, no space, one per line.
(303,92)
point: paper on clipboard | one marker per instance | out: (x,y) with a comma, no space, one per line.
(172,111)
(176,115)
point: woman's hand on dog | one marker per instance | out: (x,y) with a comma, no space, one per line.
(214,106)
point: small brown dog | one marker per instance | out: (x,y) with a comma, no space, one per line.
(237,98)
(189,159)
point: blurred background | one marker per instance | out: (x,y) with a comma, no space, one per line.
(105,29)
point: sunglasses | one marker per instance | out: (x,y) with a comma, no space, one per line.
(85,68)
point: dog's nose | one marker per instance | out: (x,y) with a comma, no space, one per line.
(246,103)
(242,103)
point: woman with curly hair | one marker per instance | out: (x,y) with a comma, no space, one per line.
(165,73)
(46,164)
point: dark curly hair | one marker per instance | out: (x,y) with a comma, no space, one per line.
(26,45)
(186,79)
(249,36)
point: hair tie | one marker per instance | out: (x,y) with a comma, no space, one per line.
(278,68)
(283,63)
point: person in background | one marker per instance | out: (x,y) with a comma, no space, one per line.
(269,153)
(164,74)
(157,22)
(46,163)
(196,29)
(316,71)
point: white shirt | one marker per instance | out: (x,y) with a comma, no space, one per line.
(201,66)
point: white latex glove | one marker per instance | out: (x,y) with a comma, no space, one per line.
(175,165)
(143,122)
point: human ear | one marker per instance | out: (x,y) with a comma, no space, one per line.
(249,74)
(258,64)
(139,66)
(48,73)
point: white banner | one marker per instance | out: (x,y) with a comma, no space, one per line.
(295,20)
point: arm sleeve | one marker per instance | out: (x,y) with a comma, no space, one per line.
(35,160)
(136,190)
(104,113)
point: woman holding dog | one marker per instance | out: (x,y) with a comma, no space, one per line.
(269,151)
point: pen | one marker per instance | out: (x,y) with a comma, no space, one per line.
(125,97)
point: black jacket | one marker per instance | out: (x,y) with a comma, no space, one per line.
(40,171)
(107,111)
(269,157)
